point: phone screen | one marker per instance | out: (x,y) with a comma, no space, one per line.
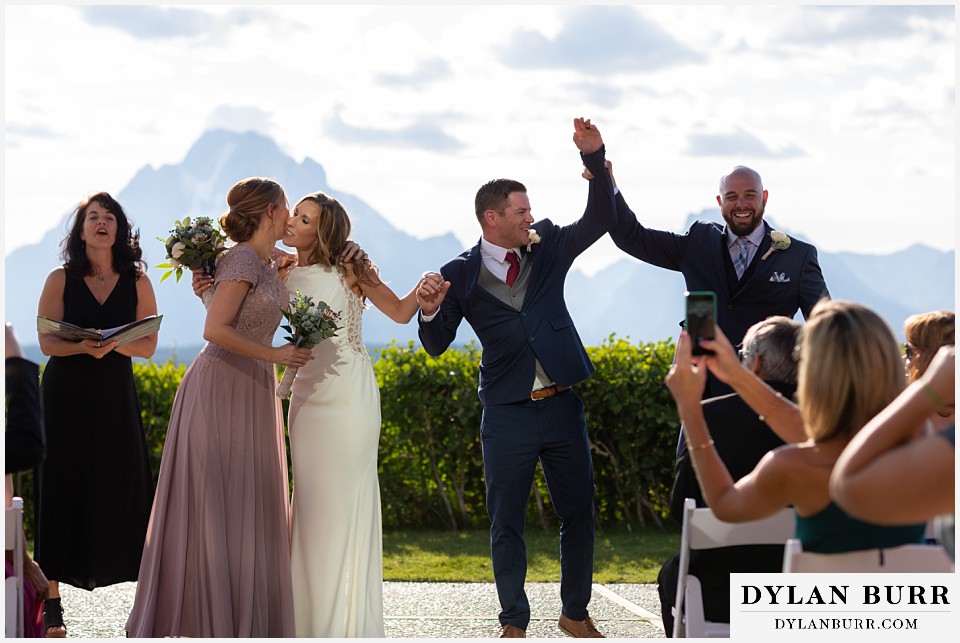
(701,315)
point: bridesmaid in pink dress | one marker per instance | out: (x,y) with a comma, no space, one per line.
(216,561)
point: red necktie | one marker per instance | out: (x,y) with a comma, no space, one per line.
(514,270)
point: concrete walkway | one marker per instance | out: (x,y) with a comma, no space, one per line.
(419,610)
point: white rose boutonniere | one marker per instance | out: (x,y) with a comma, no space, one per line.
(534,238)
(780,242)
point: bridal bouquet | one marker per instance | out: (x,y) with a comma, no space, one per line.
(194,245)
(308,324)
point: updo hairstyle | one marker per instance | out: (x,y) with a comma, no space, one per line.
(249,200)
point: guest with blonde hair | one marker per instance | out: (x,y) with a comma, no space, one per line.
(849,370)
(890,475)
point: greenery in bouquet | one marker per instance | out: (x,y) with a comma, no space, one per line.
(309,323)
(193,244)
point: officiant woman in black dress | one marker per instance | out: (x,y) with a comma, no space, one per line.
(95,487)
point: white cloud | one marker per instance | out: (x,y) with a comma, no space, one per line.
(427,72)
(425,132)
(620,40)
(149,22)
(240,118)
(738,144)
(412,107)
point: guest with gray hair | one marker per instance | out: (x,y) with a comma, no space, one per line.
(768,349)
(741,439)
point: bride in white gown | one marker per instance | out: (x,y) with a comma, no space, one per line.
(334,425)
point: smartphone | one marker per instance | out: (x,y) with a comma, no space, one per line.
(701,318)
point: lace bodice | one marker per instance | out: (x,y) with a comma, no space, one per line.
(259,314)
(328,285)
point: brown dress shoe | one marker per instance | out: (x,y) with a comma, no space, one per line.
(512,632)
(584,629)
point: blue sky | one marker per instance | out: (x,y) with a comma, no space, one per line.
(848,112)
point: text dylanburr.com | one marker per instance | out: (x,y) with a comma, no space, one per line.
(844,607)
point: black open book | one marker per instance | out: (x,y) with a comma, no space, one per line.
(123,334)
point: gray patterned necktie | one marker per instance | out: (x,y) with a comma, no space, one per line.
(741,263)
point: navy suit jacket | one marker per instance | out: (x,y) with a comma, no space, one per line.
(542,329)
(24,432)
(786,281)
(741,439)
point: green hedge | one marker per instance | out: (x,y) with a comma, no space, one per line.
(431,468)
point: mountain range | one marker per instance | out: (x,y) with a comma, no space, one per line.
(628,298)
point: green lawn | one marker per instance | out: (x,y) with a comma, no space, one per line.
(619,556)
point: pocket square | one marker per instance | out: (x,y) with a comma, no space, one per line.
(779,278)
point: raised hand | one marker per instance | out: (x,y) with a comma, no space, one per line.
(724,362)
(588,175)
(586,136)
(431,291)
(686,379)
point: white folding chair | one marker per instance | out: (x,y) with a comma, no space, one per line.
(703,530)
(14,584)
(905,558)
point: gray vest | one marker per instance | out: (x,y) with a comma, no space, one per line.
(513,296)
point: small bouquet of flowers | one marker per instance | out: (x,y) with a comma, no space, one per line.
(308,324)
(194,245)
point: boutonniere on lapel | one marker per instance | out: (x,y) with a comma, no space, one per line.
(780,242)
(534,239)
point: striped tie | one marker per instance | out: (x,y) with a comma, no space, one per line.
(741,263)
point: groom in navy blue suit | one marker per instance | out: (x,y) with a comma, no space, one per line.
(509,288)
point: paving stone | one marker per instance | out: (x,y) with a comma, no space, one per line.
(419,610)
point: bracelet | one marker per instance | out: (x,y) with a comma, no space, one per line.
(708,443)
(761,416)
(932,394)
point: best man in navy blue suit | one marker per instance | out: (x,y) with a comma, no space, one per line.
(532,356)
(753,274)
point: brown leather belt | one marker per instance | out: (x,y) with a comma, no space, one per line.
(547,391)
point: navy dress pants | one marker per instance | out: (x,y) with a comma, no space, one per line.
(514,437)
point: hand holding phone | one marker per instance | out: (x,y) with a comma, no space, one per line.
(701,319)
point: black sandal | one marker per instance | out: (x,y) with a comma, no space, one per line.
(53,619)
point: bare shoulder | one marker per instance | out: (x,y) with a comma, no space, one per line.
(801,463)
(51,297)
(787,461)
(144,285)
(56,277)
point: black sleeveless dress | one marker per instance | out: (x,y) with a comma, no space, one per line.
(95,487)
